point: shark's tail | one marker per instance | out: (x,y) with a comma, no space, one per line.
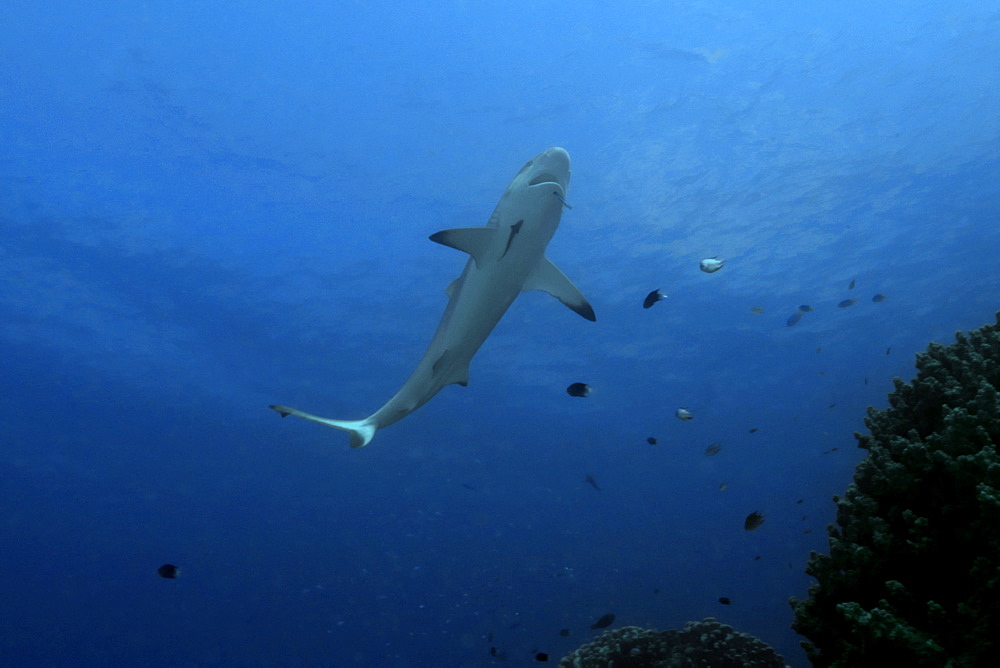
(361,431)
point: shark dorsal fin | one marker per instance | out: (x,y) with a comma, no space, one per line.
(547,278)
(473,240)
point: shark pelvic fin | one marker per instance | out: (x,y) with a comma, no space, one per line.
(547,278)
(361,431)
(472,240)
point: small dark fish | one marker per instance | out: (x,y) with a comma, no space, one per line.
(888,350)
(826,452)
(493,651)
(713,449)
(805,308)
(800,501)
(866,380)
(808,531)
(168,571)
(851,286)
(879,297)
(541,656)
(604,622)
(793,318)
(578,390)
(753,521)
(819,350)
(831,405)
(651,440)
(753,430)
(847,302)
(757,558)
(656,591)
(757,309)
(593,482)
(652,298)
(724,600)
(833,449)
(564,632)
(467,485)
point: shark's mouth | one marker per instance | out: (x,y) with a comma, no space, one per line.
(544,177)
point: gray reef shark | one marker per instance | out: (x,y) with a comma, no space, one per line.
(508,258)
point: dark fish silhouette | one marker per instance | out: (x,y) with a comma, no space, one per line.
(651,440)
(713,449)
(564,632)
(578,390)
(753,430)
(793,318)
(604,622)
(753,521)
(879,297)
(888,350)
(851,286)
(757,309)
(652,298)
(593,482)
(847,302)
(541,656)
(168,571)
(805,308)
(724,600)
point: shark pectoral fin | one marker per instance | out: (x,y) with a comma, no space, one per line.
(548,278)
(472,240)
(361,431)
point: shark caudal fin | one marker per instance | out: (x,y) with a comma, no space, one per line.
(361,431)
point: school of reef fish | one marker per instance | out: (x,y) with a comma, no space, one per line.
(911,574)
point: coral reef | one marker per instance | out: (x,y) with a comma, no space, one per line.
(704,644)
(913,573)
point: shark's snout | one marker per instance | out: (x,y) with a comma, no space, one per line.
(550,166)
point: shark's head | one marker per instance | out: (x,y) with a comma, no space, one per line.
(548,167)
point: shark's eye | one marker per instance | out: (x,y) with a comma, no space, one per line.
(544,177)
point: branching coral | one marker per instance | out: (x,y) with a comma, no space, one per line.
(913,573)
(704,644)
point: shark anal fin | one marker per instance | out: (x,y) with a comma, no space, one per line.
(547,278)
(475,241)
(450,376)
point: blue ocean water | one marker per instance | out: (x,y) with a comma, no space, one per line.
(213,207)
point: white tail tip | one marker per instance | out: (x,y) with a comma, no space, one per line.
(361,431)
